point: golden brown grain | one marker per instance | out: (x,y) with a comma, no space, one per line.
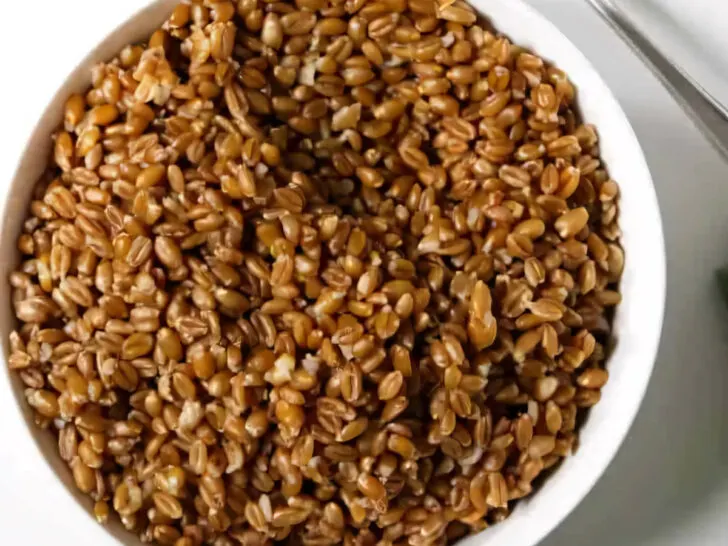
(328,273)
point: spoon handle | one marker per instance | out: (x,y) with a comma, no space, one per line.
(708,114)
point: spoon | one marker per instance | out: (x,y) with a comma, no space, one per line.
(706,112)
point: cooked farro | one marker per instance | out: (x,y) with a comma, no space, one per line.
(318,272)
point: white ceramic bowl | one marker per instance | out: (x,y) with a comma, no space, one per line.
(637,325)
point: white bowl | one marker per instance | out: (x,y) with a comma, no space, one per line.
(637,324)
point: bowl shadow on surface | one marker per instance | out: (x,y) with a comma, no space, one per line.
(674,457)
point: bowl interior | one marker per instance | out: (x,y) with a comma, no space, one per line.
(638,320)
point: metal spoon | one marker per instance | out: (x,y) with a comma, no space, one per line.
(708,114)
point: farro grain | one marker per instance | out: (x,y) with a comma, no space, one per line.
(365,251)
(593,378)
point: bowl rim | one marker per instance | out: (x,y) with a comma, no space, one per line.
(527,534)
(36,442)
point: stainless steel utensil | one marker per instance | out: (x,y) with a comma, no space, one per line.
(708,114)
